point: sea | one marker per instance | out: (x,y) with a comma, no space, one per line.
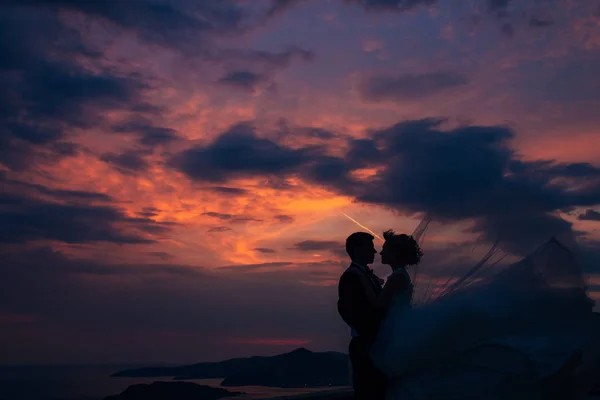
(95,383)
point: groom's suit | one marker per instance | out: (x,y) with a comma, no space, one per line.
(364,319)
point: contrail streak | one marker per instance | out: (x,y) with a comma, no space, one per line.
(362,226)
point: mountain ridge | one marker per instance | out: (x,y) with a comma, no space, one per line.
(298,368)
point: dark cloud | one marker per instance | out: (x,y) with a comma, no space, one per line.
(162,255)
(219,229)
(535,22)
(391,5)
(171,24)
(249,69)
(589,215)
(148,212)
(311,245)
(287,219)
(129,162)
(468,172)
(318,133)
(45,90)
(334,247)
(547,169)
(406,87)
(238,153)
(498,5)
(287,130)
(229,190)
(25,219)
(265,250)
(32,189)
(279,6)
(267,59)
(244,80)
(471,172)
(231,217)
(148,134)
(50,86)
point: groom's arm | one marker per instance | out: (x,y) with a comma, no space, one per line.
(356,307)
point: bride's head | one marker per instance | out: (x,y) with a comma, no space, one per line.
(400,250)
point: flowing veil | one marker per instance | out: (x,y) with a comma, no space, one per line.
(480,303)
(469,262)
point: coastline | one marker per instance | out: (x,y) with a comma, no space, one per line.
(345,394)
(333,394)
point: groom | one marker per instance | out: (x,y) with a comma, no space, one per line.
(361,315)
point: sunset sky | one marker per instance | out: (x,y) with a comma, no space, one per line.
(175,175)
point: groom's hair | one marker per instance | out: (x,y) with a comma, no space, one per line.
(357,239)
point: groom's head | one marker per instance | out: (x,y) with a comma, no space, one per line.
(360,248)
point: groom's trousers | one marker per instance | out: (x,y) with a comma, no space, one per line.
(369,383)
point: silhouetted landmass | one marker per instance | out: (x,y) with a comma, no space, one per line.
(299,368)
(173,391)
(346,394)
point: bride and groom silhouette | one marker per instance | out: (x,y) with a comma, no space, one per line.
(527,331)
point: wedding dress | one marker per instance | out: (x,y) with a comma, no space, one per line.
(525,330)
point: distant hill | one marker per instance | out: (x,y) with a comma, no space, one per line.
(299,368)
(172,391)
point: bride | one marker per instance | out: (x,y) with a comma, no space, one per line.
(525,330)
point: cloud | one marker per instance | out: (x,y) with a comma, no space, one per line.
(406,87)
(68,217)
(162,255)
(45,89)
(318,133)
(278,6)
(171,24)
(311,245)
(225,190)
(469,172)
(237,153)
(231,217)
(149,212)
(498,5)
(244,80)
(128,162)
(589,215)
(148,134)
(265,250)
(286,219)
(334,247)
(36,190)
(267,59)
(535,22)
(249,69)
(51,87)
(391,5)
(219,229)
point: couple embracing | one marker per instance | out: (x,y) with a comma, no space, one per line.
(524,330)
(364,299)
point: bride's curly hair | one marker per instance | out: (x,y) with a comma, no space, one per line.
(406,247)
